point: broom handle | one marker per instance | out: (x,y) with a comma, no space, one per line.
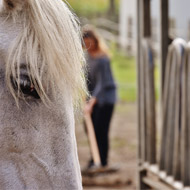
(92,139)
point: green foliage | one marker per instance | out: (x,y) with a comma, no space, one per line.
(90,8)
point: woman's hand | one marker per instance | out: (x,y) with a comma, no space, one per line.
(88,107)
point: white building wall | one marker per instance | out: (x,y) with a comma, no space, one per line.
(127,10)
(178,9)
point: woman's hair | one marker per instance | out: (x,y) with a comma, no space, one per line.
(90,32)
(50,43)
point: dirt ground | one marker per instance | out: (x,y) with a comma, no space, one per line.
(123,151)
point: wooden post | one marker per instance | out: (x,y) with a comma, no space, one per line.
(143,186)
(140,69)
(143,30)
(146,125)
(138,75)
(185,131)
(141,144)
(147,18)
(142,92)
(164,13)
(150,101)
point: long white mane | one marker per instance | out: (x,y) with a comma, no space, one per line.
(50,43)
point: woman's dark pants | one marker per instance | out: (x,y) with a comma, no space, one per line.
(101,118)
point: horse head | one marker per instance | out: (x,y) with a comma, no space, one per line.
(41,60)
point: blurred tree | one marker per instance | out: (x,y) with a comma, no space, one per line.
(112,7)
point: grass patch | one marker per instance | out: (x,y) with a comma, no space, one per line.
(124,70)
(157,80)
(125,73)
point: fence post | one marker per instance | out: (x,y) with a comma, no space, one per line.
(143,30)
(164,13)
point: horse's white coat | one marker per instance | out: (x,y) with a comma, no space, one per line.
(37,143)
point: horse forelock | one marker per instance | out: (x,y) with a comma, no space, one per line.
(50,34)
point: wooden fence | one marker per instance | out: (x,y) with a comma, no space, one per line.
(168,166)
(173,167)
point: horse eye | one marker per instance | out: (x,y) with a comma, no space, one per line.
(10,4)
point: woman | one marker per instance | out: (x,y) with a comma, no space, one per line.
(102,89)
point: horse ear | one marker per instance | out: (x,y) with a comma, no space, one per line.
(14,4)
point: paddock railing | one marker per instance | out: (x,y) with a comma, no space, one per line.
(147,130)
(171,169)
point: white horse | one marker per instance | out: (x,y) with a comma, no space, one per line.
(41,82)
